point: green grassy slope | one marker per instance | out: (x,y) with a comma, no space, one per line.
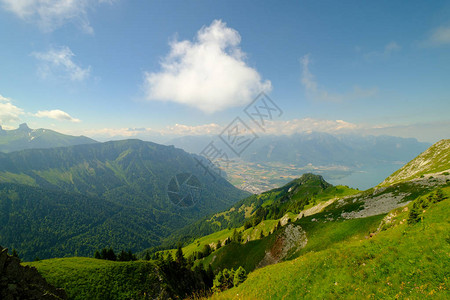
(299,194)
(131,177)
(406,261)
(434,160)
(88,278)
(320,235)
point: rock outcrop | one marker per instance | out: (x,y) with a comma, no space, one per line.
(23,282)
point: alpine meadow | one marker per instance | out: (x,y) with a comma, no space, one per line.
(224,149)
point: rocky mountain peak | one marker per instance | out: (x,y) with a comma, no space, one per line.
(24,127)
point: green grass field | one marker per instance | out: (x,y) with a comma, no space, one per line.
(401,262)
(89,278)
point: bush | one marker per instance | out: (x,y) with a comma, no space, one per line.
(223,280)
(439,196)
(239,276)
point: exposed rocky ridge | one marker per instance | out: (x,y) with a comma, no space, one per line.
(23,282)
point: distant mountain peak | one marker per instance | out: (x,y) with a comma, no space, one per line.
(26,138)
(24,127)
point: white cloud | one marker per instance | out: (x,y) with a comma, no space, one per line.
(387,51)
(439,36)
(426,131)
(51,14)
(175,130)
(274,128)
(57,115)
(391,47)
(206,129)
(117,132)
(8,111)
(209,73)
(430,132)
(59,63)
(314,90)
(309,125)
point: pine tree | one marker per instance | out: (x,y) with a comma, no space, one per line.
(209,276)
(278,225)
(104,254)
(179,257)
(237,236)
(239,276)
(110,255)
(131,256)
(147,255)
(218,282)
(414,214)
(122,256)
(206,250)
(97,255)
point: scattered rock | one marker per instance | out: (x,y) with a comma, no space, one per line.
(284,220)
(376,205)
(292,239)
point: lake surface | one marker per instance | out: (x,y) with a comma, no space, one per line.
(365,178)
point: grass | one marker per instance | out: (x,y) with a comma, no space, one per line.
(234,255)
(434,160)
(323,235)
(338,191)
(89,278)
(401,262)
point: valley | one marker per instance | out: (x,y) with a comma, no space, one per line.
(248,150)
(310,238)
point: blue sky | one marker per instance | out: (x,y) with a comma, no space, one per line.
(117,69)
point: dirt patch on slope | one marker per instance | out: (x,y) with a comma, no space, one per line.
(292,239)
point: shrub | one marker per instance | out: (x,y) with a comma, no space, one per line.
(239,276)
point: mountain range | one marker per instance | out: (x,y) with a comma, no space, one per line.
(26,138)
(351,159)
(306,239)
(319,148)
(117,194)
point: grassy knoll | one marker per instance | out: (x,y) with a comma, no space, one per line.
(406,261)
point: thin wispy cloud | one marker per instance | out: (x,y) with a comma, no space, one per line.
(317,92)
(387,51)
(8,111)
(174,130)
(58,62)
(209,73)
(56,114)
(309,125)
(438,37)
(424,131)
(52,14)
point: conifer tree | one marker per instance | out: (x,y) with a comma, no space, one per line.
(179,257)
(239,276)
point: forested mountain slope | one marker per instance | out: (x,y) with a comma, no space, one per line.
(118,190)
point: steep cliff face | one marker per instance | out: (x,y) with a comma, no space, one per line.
(23,282)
